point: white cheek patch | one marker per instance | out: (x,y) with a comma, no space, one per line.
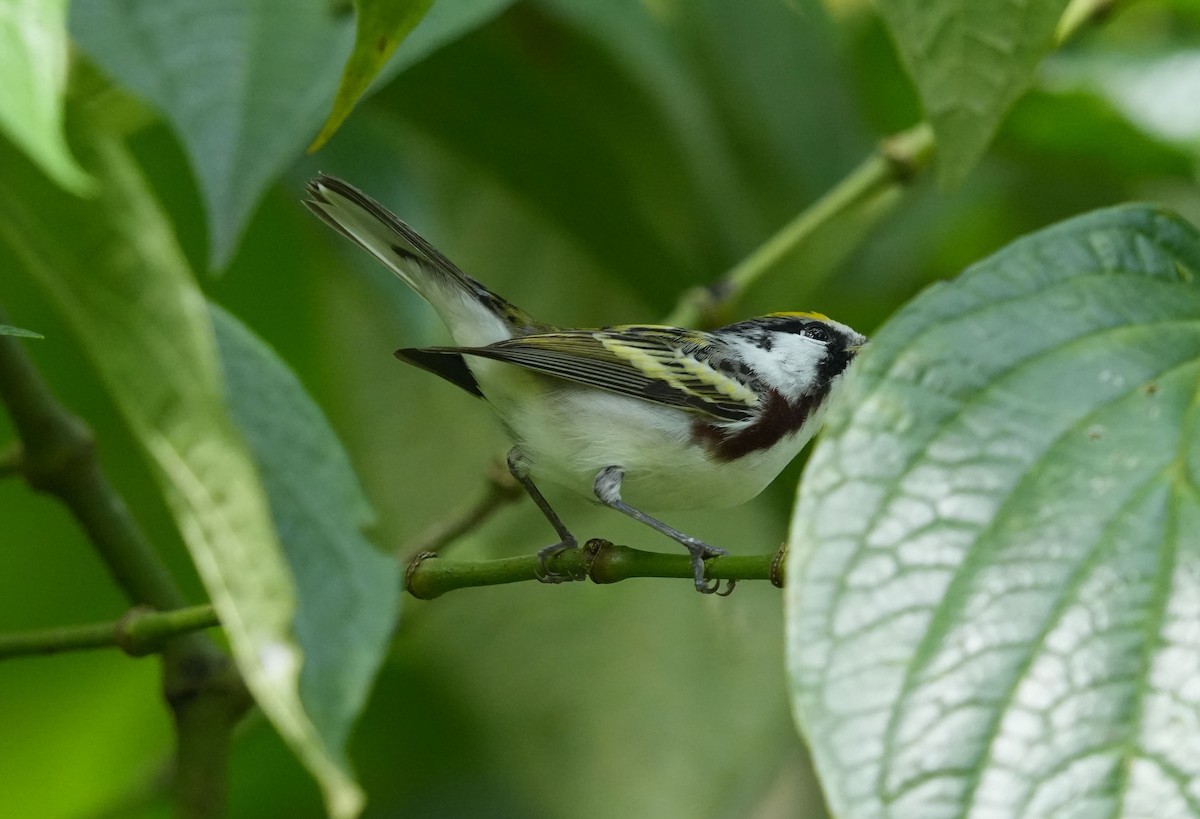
(800,357)
(791,363)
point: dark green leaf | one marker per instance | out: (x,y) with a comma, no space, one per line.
(970,60)
(995,566)
(346,591)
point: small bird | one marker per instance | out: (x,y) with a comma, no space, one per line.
(638,416)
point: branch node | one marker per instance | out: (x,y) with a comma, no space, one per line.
(777,566)
(128,636)
(907,153)
(591,551)
(192,674)
(600,559)
(412,587)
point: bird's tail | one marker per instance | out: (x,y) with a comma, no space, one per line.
(475,315)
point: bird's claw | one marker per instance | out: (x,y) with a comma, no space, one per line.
(545,574)
(700,553)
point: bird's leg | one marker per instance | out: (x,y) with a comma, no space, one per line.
(519,470)
(608,490)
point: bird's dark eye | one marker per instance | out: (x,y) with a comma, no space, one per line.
(816,332)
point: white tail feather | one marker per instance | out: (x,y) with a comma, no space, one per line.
(475,316)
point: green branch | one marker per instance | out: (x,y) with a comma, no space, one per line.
(430,576)
(58,457)
(203,688)
(140,632)
(501,490)
(898,160)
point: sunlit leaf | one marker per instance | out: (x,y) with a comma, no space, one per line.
(346,591)
(381,26)
(114,271)
(970,60)
(1154,92)
(33,68)
(995,568)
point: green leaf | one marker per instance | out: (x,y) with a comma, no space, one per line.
(114,271)
(1136,85)
(33,65)
(7,330)
(411,24)
(970,60)
(381,26)
(442,25)
(995,567)
(244,83)
(347,592)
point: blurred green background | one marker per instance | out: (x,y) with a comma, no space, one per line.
(590,161)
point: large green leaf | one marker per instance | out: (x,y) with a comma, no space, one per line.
(112,268)
(970,60)
(992,602)
(33,68)
(346,591)
(244,83)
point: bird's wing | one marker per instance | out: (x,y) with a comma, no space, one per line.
(664,365)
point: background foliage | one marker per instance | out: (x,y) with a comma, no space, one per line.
(589,160)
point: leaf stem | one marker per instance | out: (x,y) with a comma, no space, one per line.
(140,632)
(430,576)
(899,159)
(501,490)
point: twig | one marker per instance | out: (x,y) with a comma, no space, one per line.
(501,490)
(430,576)
(140,632)
(201,684)
(897,161)
(59,458)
